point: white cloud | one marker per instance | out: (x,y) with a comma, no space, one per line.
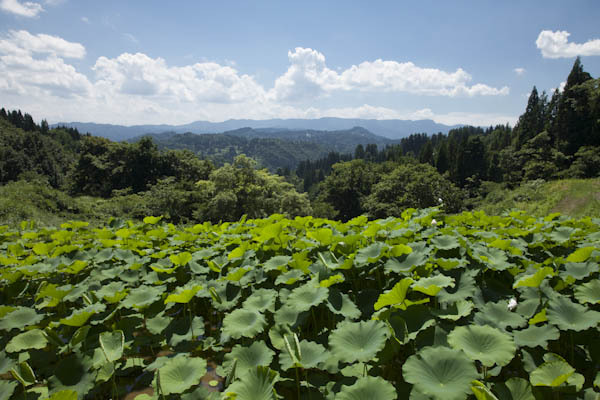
(85,19)
(26,9)
(131,38)
(23,42)
(556,45)
(519,71)
(308,76)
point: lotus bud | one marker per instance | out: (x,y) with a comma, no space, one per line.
(433,222)
(512,304)
(440,200)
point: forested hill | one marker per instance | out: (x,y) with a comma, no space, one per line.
(272,148)
(391,129)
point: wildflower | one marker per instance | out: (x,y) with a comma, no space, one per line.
(512,304)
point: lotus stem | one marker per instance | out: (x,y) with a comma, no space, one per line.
(297,381)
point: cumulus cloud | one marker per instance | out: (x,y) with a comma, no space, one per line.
(27,9)
(308,76)
(557,45)
(34,65)
(519,71)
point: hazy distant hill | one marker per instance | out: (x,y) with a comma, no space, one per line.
(273,148)
(391,129)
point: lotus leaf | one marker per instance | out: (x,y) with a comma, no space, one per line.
(483,343)
(536,335)
(33,339)
(80,317)
(370,254)
(499,316)
(372,388)
(183,296)
(553,373)
(567,315)
(180,373)
(396,296)
(454,312)
(441,373)
(445,242)
(23,373)
(306,296)
(358,341)
(261,300)
(112,344)
(340,303)
(514,389)
(482,392)
(256,385)
(466,288)
(588,292)
(6,363)
(406,263)
(143,296)
(277,263)
(287,315)
(248,358)
(290,277)
(7,388)
(179,330)
(433,284)
(312,353)
(581,254)
(534,280)
(407,324)
(20,318)
(243,323)
(72,373)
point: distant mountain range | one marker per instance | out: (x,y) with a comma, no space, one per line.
(391,128)
(272,148)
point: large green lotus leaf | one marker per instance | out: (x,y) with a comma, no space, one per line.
(33,339)
(466,288)
(341,304)
(158,323)
(20,318)
(181,258)
(358,341)
(323,236)
(433,284)
(183,295)
(567,315)
(23,373)
(553,373)
(372,388)
(112,344)
(581,254)
(483,343)
(535,279)
(395,296)
(306,296)
(243,323)
(290,277)
(7,388)
(312,355)
(441,373)
(71,373)
(482,392)
(499,316)
(406,263)
(514,389)
(493,258)
(287,315)
(536,335)
(248,358)
(561,234)
(277,263)
(277,333)
(588,292)
(261,300)
(114,292)
(80,317)
(445,242)
(256,385)
(180,373)
(370,254)
(143,296)
(227,297)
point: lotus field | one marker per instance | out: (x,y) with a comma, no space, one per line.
(424,306)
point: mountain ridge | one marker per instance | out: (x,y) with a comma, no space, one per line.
(389,128)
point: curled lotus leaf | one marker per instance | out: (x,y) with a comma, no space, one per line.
(567,315)
(7,388)
(257,384)
(112,344)
(483,343)
(440,373)
(340,303)
(552,373)
(312,353)
(369,387)
(243,323)
(248,358)
(514,389)
(358,341)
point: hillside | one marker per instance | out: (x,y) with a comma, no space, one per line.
(573,197)
(272,148)
(391,129)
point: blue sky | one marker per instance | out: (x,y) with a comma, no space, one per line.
(146,62)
